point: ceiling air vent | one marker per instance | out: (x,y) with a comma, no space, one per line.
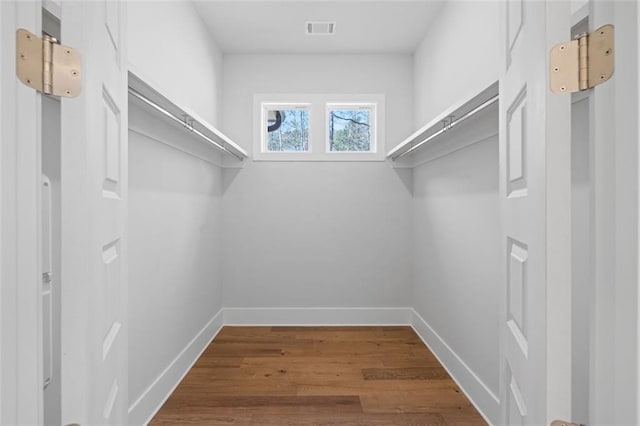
(321,27)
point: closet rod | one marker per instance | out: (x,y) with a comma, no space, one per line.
(445,128)
(182,122)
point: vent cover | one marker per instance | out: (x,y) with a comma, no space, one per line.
(321,27)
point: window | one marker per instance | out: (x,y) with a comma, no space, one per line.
(286,128)
(350,128)
(319,127)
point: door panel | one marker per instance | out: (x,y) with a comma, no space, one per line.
(525,170)
(94,133)
(521,220)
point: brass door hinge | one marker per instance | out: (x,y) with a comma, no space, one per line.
(563,423)
(47,66)
(582,63)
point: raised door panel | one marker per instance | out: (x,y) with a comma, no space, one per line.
(100,283)
(523,215)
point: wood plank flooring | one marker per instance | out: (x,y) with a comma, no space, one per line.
(317,376)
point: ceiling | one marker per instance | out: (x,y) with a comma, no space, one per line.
(278,26)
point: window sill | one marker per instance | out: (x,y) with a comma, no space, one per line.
(320,157)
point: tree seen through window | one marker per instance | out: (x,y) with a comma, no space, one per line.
(288,130)
(350,130)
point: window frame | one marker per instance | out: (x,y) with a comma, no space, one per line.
(319,126)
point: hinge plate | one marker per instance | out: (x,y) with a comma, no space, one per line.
(61,77)
(563,423)
(569,63)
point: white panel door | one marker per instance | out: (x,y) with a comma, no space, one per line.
(94,206)
(534,191)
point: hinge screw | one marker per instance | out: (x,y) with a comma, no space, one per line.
(562,47)
(556,69)
(74,73)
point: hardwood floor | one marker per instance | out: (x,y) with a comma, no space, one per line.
(317,376)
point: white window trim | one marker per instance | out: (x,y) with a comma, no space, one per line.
(318,126)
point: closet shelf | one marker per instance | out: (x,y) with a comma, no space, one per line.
(145,95)
(447,123)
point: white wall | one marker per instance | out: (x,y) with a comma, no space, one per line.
(175,201)
(175,212)
(456,249)
(169,43)
(458,56)
(316,234)
(456,208)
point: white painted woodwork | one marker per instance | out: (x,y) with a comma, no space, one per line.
(558,226)
(3,248)
(438,136)
(225,153)
(317,104)
(20,276)
(47,274)
(51,145)
(94,217)
(614,135)
(582,274)
(535,209)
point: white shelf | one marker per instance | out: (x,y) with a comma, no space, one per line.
(451,123)
(145,95)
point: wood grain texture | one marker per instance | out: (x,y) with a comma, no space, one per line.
(317,376)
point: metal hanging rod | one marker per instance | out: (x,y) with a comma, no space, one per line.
(186,122)
(447,127)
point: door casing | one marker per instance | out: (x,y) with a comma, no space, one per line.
(21,393)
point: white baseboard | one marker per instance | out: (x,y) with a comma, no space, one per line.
(147,405)
(151,400)
(485,401)
(317,316)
